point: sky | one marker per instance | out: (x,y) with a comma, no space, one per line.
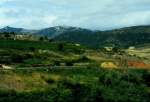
(91,14)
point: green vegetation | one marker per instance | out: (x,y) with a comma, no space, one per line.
(43,71)
(76,85)
(37,52)
(125,37)
(30,45)
(26,45)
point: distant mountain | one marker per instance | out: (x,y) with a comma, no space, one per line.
(124,37)
(11,29)
(58,30)
(50,32)
(17,30)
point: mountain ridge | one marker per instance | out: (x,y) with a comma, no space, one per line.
(116,29)
(50,31)
(125,37)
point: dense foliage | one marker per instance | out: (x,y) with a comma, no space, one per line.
(80,85)
(124,37)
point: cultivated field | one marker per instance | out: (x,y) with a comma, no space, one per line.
(39,71)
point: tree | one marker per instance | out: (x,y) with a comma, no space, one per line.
(60,47)
(7,35)
(45,38)
(32,49)
(41,39)
(51,40)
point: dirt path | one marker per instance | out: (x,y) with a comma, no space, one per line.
(51,67)
(2,66)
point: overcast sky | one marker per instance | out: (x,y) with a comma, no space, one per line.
(93,14)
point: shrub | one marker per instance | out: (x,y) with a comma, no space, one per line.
(48,79)
(60,47)
(41,39)
(109,78)
(132,78)
(17,58)
(32,61)
(146,78)
(56,63)
(83,59)
(69,63)
(32,49)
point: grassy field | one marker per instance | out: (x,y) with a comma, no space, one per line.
(27,45)
(38,52)
(74,85)
(140,52)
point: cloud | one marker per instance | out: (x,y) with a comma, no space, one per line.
(5,1)
(93,14)
(131,19)
(5,22)
(49,19)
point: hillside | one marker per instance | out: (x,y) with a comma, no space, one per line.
(124,37)
(43,71)
(50,32)
(11,29)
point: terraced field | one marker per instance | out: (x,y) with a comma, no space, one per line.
(66,72)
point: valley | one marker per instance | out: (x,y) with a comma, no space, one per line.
(67,68)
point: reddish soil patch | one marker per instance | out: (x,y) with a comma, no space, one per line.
(138,64)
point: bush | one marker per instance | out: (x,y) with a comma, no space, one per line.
(60,47)
(83,59)
(56,63)
(32,49)
(146,78)
(84,85)
(48,79)
(32,61)
(80,92)
(69,63)
(17,58)
(132,78)
(109,78)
